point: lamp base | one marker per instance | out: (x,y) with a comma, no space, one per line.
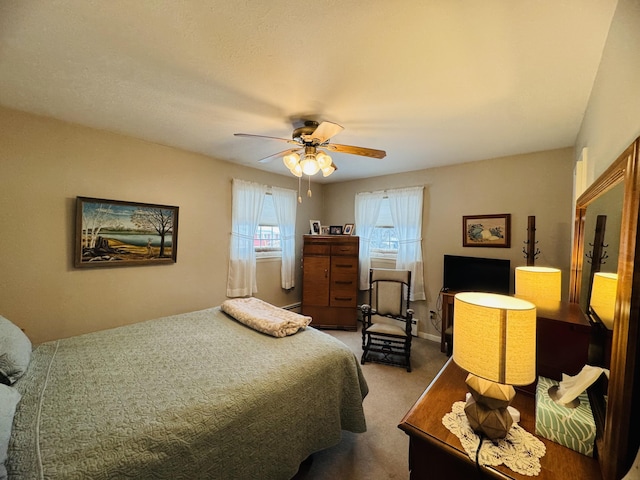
(493,423)
(487,408)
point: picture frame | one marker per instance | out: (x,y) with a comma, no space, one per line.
(324,230)
(487,230)
(315,226)
(114,233)
(348,229)
(335,230)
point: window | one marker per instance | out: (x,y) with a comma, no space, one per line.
(384,239)
(248,199)
(266,240)
(389,225)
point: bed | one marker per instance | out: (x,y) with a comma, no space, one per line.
(196,395)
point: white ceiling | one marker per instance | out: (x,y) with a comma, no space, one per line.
(432,82)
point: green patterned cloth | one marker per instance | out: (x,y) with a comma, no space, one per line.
(189,396)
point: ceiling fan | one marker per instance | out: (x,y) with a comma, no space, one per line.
(308,156)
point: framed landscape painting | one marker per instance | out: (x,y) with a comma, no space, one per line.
(112,233)
(486,230)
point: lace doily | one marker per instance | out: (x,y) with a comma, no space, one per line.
(519,450)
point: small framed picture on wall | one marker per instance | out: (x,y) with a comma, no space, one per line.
(486,230)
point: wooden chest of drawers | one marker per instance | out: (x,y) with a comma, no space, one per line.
(330,280)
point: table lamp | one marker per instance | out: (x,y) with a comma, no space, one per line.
(603,297)
(495,341)
(539,283)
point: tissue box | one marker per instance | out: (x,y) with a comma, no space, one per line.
(572,427)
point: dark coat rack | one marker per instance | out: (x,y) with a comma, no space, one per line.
(531,252)
(597,256)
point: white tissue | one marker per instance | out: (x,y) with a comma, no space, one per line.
(570,387)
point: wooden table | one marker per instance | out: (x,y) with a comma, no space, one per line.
(435,452)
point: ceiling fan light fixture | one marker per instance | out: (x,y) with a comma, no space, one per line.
(296,170)
(291,160)
(309,165)
(307,158)
(323,160)
(328,170)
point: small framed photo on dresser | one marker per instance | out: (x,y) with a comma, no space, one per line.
(348,229)
(335,230)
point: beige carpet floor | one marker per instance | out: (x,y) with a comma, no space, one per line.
(381,452)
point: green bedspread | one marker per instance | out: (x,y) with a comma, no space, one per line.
(189,396)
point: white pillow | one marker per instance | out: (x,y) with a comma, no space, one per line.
(9,398)
(15,351)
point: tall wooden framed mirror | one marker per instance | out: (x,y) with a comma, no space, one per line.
(617,442)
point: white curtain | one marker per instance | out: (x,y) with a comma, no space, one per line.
(367,207)
(247,201)
(406,212)
(285,202)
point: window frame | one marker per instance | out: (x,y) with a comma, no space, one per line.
(267,251)
(383,223)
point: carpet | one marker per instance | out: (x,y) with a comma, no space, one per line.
(381,453)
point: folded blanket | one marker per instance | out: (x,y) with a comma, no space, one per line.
(264,317)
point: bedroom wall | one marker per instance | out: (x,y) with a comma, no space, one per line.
(45,164)
(537,184)
(612,119)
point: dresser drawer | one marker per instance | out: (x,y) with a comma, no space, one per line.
(344,266)
(343,298)
(316,249)
(345,249)
(344,282)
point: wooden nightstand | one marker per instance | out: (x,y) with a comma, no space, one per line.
(435,452)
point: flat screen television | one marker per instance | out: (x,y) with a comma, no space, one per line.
(476,274)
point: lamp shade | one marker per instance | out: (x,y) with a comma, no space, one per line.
(291,160)
(539,283)
(603,297)
(323,160)
(326,171)
(309,165)
(297,170)
(494,337)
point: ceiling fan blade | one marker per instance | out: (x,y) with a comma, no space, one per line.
(279,154)
(264,136)
(365,152)
(325,131)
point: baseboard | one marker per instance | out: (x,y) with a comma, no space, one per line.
(429,336)
(294,307)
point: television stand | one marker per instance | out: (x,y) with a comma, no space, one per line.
(446,334)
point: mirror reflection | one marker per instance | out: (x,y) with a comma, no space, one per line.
(615,407)
(608,205)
